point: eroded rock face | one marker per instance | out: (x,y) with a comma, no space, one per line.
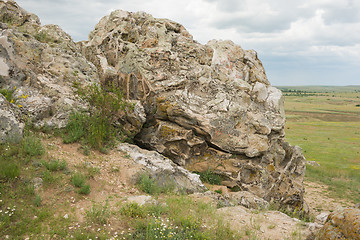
(208,106)
(42,62)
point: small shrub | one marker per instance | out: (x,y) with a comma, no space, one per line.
(55,165)
(86,150)
(37,201)
(97,129)
(133,210)
(147,184)
(32,146)
(75,128)
(9,94)
(219,191)
(98,214)
(47,177)
(78,180)
(92,171)
(84,189)
(210,177)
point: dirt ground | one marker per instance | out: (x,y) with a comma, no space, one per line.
(113,177)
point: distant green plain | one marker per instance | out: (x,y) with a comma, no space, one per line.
(325,123)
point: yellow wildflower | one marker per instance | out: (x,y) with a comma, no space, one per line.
(14,87)
(20,105)
(12,101)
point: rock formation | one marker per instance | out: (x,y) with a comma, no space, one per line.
(42,62)
(342,224)
(163,170)
(207,106)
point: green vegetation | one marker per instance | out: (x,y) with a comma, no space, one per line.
(210,177)
(148,185)
(170,221)
(321,89)
(98,214)
(22,211)
(9,94)
(327,127)
(97,128)
(43,37)
(79,181)
(55,165)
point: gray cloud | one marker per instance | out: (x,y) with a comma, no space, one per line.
(312,34)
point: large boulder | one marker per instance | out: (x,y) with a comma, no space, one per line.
(342,224)
(163,170)
(208,106)
(42,62)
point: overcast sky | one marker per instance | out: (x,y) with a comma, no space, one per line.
(300,42)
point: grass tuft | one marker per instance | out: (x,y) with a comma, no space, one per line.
(98,214)
(78,180)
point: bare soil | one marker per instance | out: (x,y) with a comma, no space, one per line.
(113,177)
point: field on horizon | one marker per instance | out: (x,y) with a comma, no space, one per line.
(326,125)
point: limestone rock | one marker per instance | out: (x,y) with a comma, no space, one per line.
(204,103)
(141,199)
(42,62)
(248,200)
(163,170)
(322,217)
(344,224)
(11,124)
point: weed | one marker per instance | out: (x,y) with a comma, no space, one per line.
(99,213)
(219,191)
(37,201)
(210,177)
(78,180)
(84,189)
(47,177)
(32,145)
(271,226)
(132,209)
(148,184)
(156,209)
(55,165)
(9,170)
(9,94)
(75,128)
(296,213)
(92,171)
